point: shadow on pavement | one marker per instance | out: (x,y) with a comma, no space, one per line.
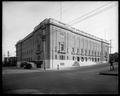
(110,72)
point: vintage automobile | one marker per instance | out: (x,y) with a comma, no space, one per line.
(27,65)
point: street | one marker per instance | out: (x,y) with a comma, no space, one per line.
(85,80)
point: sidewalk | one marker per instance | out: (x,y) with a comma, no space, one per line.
(20,70)
(110,72)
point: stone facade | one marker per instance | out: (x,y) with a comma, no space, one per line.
(61,46)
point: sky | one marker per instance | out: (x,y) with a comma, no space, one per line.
(20,18)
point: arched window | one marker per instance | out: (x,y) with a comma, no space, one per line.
(82,59)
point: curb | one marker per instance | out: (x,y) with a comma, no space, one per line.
(113,74)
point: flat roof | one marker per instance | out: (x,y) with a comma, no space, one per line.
(66,26)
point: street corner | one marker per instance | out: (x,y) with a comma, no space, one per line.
(113,72)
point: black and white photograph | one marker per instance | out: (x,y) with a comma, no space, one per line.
(60,47)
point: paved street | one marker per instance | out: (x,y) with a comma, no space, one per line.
(83,80)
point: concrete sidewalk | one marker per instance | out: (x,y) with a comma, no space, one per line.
(20,70)
(110,72)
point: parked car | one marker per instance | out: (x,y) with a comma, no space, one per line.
(23,64)
(38,63)
(27,66)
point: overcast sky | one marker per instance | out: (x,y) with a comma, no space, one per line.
(19,19)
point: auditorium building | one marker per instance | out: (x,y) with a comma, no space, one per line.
(54,44)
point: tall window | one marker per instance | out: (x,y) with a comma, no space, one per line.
(85,52)
(62,47)
(55,48)
(67,57)
(55,56)
(89,52)
(73,57)
(78,59)
(77,51)
(82,51)
(82,59)
(62,57)
(73,51)
(92,52)
(38,57)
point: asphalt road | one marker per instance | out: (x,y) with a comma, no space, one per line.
(85,80)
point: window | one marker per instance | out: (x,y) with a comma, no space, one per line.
(95,53)
(73,57)
(92,59)
(89,52)
(62,57)
(77,51)
(62,47)
(106,59)
(55,56)
(95,59)
(82,51)
(92,53)
(67,50)
(98,59)
(78,59)
(67,57)
(89,58)
(82,59)
(38,57)
(72,50)
(86,58)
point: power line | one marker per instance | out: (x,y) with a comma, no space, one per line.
(92,14)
